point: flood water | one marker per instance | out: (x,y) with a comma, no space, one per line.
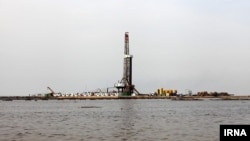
(118,120)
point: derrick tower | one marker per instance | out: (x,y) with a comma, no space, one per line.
(125,85)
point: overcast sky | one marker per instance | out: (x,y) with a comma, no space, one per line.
(77,45)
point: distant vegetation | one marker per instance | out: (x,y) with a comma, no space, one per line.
(205,93)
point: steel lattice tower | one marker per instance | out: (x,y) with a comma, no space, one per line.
(126,85)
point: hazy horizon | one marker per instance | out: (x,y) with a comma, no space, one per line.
(75,46)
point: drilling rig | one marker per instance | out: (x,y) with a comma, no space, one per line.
(125,86)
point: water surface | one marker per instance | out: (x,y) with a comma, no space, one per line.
(118,120)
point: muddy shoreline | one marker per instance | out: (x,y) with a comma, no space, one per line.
(10,98)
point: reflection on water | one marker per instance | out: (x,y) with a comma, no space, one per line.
(122,120)
(128,120)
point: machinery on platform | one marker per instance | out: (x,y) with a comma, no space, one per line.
(166,92)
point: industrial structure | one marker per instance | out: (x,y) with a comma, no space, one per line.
(166,92)
(127,89)
(125,86)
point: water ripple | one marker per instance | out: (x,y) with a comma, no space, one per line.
(123,120)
